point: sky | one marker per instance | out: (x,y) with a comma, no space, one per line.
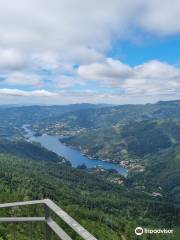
(74,51)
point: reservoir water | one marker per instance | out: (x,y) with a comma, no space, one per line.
(53,143)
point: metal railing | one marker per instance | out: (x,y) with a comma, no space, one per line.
(50,224)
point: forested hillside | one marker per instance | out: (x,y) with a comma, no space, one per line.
(93,118)
(150,149)
(162,172)
(132,139)
(29,150)
(107,210)
(13,117)
(56,119)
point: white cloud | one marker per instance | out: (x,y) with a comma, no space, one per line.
(11,59)
(16,96)
(114,70)
(160,17)
(64,82)
(21,93)
(157,70)
(105,71)
(149,79)
(77,31)
(54,35)
(154,78)
(18,78)
(115,81)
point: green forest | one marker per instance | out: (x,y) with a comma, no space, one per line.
(146,138)
(108,211)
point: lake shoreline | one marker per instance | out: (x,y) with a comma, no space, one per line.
(89,155)
(74,156)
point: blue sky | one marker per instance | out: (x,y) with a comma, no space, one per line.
(165,49)
(87,51)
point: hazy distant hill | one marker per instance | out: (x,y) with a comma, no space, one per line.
(13,117)
(77,116)
(28,114)
(112,115)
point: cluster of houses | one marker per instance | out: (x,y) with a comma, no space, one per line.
(132,166)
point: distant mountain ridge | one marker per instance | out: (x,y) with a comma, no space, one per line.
(108,116)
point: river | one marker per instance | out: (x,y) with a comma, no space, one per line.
(76,158)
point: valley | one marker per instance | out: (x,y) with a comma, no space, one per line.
(58,155)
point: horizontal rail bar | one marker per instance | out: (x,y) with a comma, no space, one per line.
(21,219)
(81,231)
(57,229)
(69,220)
(16,204)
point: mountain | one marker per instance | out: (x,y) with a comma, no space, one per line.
(59,119)
(150,149)
(104,117)
(134,139)
(150,136)
(36,113)
(12,117)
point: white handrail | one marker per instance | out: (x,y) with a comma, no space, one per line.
(50,224)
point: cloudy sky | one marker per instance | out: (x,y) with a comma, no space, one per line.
(71,51)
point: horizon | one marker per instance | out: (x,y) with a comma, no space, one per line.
(84,103)
(118,52)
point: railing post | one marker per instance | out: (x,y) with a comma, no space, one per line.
(30,231)
(47,229)
(51,227)
(14,231)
